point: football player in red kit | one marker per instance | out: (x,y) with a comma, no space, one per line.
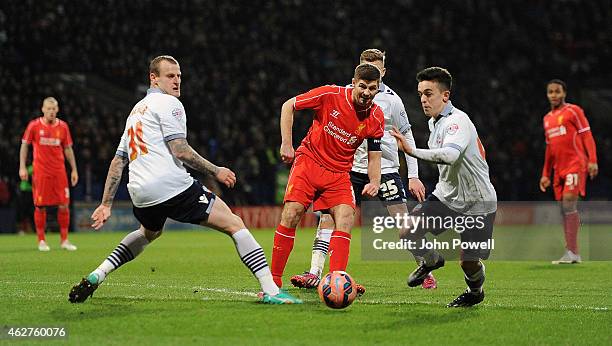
(571,154)
(52,144)
(344,117)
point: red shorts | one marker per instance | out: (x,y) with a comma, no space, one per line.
(309,182)
(570,184)
(49,190)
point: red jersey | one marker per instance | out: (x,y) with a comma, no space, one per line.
(49,142)
(336,130)
(570,144)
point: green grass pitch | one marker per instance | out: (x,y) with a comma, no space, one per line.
(191,288)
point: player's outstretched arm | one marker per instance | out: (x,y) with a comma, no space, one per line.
(184,152)
(113,178)
(444,155)
(74,174)
(287,152)
(23,157)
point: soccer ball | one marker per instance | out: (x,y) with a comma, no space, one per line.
(337,290)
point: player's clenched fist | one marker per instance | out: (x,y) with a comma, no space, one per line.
(99,216)
(23,174)
(287,153)
(226,176)
(370,190)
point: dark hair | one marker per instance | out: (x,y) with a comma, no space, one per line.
(437,74)
(367,72)
(154,65)
(557,81)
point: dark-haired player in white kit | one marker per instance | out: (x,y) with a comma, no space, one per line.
(463,189)
(391,190)
(154,147)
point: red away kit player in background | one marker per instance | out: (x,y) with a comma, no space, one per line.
(52,142)
(571,154)
(344,117)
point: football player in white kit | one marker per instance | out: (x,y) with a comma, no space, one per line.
(391,190)
(154,147)
(463,189)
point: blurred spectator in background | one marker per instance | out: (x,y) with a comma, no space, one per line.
(240,69)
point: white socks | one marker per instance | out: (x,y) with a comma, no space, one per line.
(253,257)
(130,247)
(319,251)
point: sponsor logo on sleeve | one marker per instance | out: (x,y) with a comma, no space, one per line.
(177,112)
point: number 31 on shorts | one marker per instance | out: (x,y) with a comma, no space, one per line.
(571,179)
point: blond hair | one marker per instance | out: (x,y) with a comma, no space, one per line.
(372,55)
(154,65)
(50,99)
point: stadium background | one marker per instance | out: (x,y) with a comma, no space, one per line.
(240,60)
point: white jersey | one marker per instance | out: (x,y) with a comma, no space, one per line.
(155,175)
(464,186)
(395,115)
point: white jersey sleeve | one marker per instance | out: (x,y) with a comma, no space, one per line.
(173,120)
(122,148)
(399,117)
(458,133)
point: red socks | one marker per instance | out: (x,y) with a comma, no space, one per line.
(571,223)
(40,221)
(63,220)
(339,248)
(283,244)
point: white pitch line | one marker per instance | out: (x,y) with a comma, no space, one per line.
(226,291)
(362,301)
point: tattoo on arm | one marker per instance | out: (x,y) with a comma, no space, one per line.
(184,152)
(113,178)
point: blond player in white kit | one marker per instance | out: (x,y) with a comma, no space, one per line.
(464,190)
(154,147)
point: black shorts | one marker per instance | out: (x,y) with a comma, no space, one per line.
(391,187)
(190,206)
(471,228)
